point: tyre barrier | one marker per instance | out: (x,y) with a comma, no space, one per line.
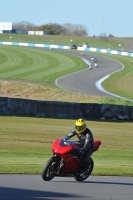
(64,110)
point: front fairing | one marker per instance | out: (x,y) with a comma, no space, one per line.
(62,145)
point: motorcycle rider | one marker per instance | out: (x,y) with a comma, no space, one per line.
(86,140)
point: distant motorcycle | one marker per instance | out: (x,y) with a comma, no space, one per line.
(90,67)
(82,53)
(65,162)
(95,64)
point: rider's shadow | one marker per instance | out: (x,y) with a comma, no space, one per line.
(25,194)
(108,183)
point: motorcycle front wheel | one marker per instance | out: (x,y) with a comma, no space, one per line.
(85,173)
(50,169)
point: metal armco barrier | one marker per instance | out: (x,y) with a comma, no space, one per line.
(64,110)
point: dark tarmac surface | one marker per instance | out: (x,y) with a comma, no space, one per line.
(84,81)
(32,187)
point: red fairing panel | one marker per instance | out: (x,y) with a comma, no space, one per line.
(61,148)
(97,144)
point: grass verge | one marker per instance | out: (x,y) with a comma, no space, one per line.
(26,144)
(96,42)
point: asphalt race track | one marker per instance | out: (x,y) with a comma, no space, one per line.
(84,81)
(32,187)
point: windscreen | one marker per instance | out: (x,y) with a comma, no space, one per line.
(68,143)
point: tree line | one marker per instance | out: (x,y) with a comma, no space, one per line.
(53,28)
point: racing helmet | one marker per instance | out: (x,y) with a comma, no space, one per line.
(80,126)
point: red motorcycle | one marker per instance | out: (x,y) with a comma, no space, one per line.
(65,162)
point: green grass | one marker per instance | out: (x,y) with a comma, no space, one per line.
(63,40)
(36,64)
(121,83)
(26,144)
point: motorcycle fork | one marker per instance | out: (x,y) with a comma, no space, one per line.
(60,164)
(56,161)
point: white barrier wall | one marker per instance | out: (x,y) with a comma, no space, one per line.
(108,51)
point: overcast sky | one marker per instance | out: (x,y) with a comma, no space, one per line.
(98,16)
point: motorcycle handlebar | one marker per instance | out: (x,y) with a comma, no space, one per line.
(66,138)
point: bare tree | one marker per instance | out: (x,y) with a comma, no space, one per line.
(76,29)
(24,26)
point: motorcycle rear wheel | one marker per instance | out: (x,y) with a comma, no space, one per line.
(50,169)
(83,176)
